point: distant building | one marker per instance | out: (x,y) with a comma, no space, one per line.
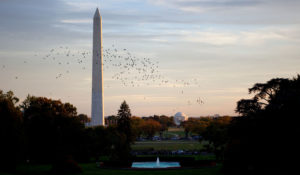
(216,115)
(179,117)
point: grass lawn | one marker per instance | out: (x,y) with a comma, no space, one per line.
(91,169)
(168,145)
(174,132)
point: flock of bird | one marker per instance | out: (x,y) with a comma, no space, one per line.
(129,70)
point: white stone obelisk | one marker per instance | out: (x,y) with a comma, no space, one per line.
(97,75)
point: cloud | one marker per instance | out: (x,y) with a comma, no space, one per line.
(258,38)
(203,5)
(213,38)
(77,21)
(31,24)
(77,6)
(238,12)
(247,37)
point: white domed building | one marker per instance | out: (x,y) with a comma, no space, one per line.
(179,117)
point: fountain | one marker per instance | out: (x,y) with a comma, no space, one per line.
(156,164)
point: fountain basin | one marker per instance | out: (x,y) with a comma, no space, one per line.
(155,165)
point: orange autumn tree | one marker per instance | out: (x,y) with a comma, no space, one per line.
(150,127)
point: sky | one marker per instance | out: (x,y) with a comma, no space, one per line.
(208,50)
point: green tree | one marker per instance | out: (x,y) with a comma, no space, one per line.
(165,123)
(196,125)
(124,124)
(125,131)
(187,125)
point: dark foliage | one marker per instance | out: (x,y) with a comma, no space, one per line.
(49,131)
(265,138)
(111,120)
(125,135)
(11,133)
(217,135)
(52,128)
(124,115)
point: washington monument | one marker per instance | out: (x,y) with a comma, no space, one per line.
(97,75)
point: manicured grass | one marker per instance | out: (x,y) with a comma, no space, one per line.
(171,129)
(174,132)
(91,169)
(168,145)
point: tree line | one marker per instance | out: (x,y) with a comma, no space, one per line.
(263,139)
(42,130)
(145,126)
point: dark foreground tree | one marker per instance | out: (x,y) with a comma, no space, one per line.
(124,115)
(126,136)
(216,133)
(265,138)
(11,134)
(84,118)
(53,130)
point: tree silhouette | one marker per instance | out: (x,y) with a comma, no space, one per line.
(124,125)
(11,134)
(53,129)
(265,94)
(264,138)
(125,131)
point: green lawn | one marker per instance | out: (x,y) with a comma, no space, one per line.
(174,132)
(91,169)
(168,145)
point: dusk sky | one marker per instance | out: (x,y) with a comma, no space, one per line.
(213,50)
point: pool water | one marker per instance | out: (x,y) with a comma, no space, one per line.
(155,165)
